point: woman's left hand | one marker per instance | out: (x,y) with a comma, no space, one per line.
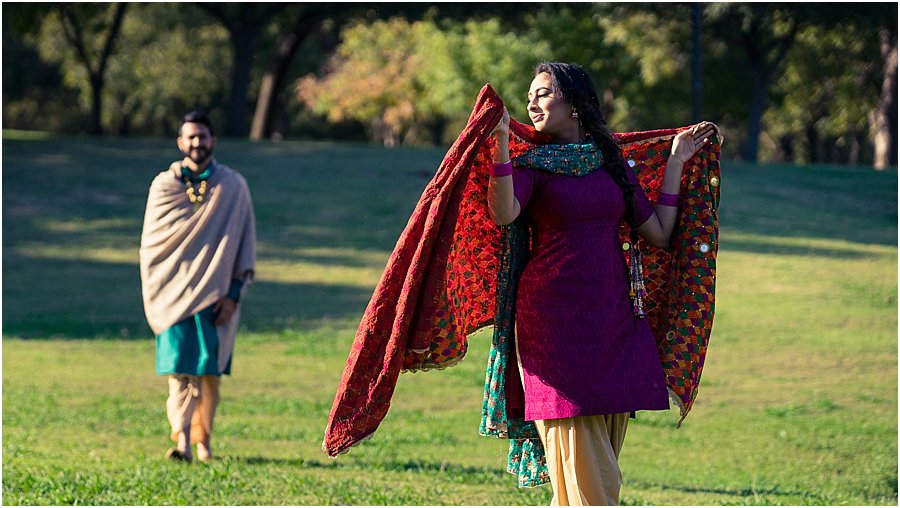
(688,141)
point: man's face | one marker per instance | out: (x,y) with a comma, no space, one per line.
(196,143)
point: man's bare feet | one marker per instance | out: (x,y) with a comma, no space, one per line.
(204,453)
(177,455)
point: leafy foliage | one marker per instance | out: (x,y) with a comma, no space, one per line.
(825,96)
(178,70)
(396,75)
(802,79)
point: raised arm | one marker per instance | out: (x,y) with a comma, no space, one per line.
(658,228)
(502,202)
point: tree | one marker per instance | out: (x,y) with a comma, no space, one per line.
(294,27)
(300,21)
(286,45)
(371,79)
(764,33)
(884,121)
(400,78)
(245,22)
(821,99)
(83,37)
(696,63)
(650,72)
(35,96)
(160,74)
(74,19)
(825,98)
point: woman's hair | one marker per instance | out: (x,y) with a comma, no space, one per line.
(577,89)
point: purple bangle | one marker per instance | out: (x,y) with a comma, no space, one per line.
(666,199)
(504,169)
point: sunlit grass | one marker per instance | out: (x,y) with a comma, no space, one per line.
(797,405)
(13,134)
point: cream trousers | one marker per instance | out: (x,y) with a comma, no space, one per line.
(191,406)
(582,456)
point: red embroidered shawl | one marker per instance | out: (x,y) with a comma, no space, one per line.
(439,284)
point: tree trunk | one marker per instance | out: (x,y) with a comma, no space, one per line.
(696,67)
(73,31)
(271,85)
(245,23)
(786,148)
(244,45)
(95,126)
(438,124)
(812,144)
(885,118)
(758,92)
(764,54)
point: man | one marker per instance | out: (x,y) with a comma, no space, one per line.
(198,251)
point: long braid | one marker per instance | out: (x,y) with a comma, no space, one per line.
(614,163)
(578,90)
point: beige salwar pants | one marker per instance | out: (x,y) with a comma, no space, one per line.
(582,456)
(191,405)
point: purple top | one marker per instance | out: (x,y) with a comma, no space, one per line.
(583,351)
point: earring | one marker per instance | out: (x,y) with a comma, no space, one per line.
(574,114)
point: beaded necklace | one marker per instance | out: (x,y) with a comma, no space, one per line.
(197,197)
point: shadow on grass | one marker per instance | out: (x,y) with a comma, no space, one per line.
(849,203)
(763,246)
(78,299)
(742,492)
(275,306)
(422,466)
(325,207)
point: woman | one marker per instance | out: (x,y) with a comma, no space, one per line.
(587,359)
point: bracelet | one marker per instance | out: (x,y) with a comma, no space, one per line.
(504,169)
(667,199)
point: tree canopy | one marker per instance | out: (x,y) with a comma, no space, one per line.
(786,82)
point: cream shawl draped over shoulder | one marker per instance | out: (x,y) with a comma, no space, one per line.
(188,258)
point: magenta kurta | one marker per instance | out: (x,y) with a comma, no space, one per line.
(583,352)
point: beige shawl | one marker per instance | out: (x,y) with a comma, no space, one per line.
(188,258)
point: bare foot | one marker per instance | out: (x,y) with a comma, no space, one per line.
(182,450)
(177,455)
(204,453)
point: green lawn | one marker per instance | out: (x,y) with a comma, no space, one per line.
(798,404)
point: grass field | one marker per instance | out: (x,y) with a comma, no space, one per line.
(798,403)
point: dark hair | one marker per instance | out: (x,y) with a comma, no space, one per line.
(197,117)
(577,89)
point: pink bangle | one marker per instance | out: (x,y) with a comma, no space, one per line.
(504,169)
(666,199)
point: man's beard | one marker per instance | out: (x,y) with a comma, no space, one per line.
(198,155)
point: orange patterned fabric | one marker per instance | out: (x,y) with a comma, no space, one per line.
(680,281)
(440,282)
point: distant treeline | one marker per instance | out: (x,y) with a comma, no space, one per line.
(787,82)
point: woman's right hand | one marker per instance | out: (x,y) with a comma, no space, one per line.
(502,204)
(503,124)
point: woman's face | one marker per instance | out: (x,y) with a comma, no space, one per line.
(548,111)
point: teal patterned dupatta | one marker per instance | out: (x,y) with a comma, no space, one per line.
(526,453)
